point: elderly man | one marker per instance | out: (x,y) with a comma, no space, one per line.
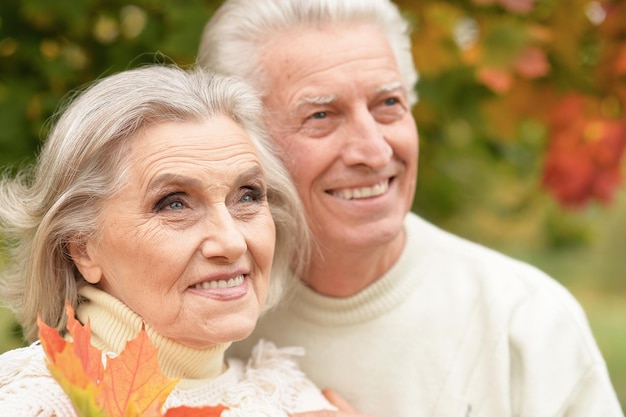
(399,317)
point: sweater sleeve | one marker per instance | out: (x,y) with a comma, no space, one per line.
(556,366)
(26,387)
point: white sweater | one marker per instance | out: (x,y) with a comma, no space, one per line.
(269,383)
(452,330)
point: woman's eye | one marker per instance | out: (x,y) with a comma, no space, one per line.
(171,202)
(319,115)
(176,205)
(252,194)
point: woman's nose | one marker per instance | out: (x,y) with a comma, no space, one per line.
(224,238)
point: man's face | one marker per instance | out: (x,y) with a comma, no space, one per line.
(338,110)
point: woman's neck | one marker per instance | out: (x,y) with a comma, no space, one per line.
(113,324)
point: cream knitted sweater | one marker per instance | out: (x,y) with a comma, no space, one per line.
(452,330)
(269,383)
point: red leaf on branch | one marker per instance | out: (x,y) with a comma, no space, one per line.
(532,63)
(585,155)
(498,80)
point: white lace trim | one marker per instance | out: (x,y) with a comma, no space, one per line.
(270,384)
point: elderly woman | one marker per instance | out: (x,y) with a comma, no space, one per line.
(156,201)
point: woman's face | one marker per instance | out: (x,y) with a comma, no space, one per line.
(188,242)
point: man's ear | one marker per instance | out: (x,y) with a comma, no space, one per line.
(81,253)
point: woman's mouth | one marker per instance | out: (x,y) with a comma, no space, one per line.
(222,283)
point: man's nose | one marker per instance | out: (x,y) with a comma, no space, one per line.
(365,142)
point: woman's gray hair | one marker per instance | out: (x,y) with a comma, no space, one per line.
(234,38)
(81,164)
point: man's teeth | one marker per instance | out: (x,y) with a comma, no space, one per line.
(222,283)
(363,192)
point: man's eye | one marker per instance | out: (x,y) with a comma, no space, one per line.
(319,115)
(391,101)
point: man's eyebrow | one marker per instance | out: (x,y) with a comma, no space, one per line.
(395,85)
(389,87)
(317,99)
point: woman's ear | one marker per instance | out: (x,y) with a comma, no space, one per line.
(81,253)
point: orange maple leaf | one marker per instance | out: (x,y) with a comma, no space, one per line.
(129,385)
(133,379)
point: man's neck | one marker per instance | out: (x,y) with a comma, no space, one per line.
(342,273)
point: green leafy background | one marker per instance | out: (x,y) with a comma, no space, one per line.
(482,152)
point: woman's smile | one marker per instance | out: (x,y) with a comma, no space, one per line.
(222,289)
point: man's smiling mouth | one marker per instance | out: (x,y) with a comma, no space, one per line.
(362,192)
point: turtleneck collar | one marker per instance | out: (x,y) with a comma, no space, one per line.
(113,324)
(380,297)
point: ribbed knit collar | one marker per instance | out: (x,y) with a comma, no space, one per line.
(113,324)
(378,298)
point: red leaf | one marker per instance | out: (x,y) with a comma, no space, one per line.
(196,412)
(532,63)
(67,368)
(90,356)
(585,154)
(496,79)
(51,342)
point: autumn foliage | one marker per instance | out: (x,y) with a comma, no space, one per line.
(127,385)
(499,66)
(495,78)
